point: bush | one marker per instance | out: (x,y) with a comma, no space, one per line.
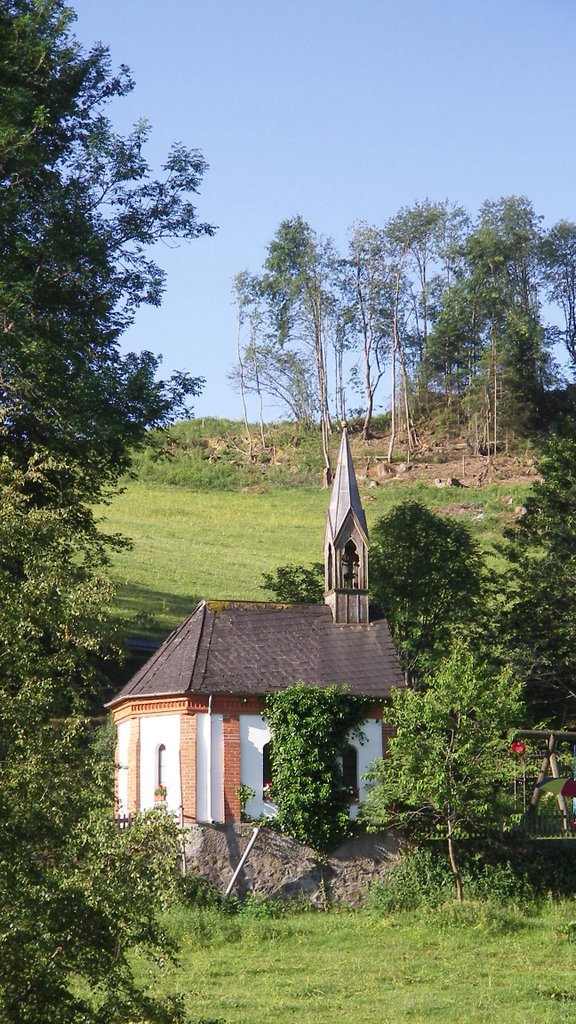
(422,879)
(196,891)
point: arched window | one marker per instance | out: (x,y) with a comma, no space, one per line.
(267,789)
(350,563)
(350,771)
(161,765)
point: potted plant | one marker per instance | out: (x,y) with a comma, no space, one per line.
(160,793)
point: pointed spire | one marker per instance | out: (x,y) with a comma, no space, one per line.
(346,546)
(345,496)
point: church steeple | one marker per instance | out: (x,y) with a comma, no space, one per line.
(346,545)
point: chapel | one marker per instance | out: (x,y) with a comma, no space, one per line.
(191,725)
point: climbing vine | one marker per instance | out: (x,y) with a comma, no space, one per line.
(310,729)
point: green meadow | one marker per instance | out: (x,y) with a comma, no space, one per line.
(188,544)
(456,965)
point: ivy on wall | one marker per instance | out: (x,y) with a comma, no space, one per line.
(310,727)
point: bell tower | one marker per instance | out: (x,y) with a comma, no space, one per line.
(346,546)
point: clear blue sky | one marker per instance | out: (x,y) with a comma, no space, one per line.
(338,110)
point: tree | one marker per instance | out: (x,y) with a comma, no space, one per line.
(537,625)
(425,238)
(426,573)
(297,284)
(309,730)
(76,895)
(558,257)
(301,584)
(369,295)
(449,756)
(79,211)
(504,278)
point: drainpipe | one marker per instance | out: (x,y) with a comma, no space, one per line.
(209,760)
(243,859)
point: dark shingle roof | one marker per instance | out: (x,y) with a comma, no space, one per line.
(244,648)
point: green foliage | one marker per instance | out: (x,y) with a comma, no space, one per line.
(450,754)
(296,583)
(426,572)
(76,894)
(537,627)
(309,727)
(423,879)
(195,891)
(79,212)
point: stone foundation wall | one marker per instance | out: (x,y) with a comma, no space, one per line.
(281,868)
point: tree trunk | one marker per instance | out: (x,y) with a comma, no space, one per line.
(454,865)
(366,428)
(393,406)
(395,348)
(242,388)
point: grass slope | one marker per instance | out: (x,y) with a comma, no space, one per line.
(189,544)
(206,520)
(457,965)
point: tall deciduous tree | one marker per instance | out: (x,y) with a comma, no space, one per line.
(268,363)
(450,753)
(558,256)
(297,283)
(368,286)
(504,280)
(426,573)
(76,895)
(79,210)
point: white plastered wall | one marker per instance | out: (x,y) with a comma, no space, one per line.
(154,731)
(254,734)
(209,768)
(123,736)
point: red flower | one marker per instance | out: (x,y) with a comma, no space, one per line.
(517,747)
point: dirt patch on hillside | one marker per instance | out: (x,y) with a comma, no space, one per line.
(442,466)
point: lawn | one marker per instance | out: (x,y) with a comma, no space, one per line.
(458,965)
(213,544)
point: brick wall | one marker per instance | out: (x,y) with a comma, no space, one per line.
(188,766)
(134,767)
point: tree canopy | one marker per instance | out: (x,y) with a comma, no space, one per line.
(79,211)
(426,573)
(537,624)
(450,753)
(446,308)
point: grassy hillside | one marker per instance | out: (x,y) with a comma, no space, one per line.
(202,527)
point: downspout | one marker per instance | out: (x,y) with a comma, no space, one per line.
(209,765)
(243,860)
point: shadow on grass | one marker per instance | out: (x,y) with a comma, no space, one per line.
(146,617)
(150,614)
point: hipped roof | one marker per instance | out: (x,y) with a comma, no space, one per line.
(244,648)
